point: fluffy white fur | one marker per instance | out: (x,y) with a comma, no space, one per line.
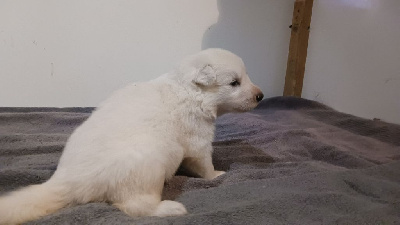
(138,138)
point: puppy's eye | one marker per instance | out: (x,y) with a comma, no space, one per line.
(234,83)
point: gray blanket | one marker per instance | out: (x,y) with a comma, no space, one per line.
(290,161)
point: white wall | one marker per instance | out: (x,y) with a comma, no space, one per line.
(353,62)
(75,53)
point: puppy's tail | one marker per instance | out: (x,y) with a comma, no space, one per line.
(31,203)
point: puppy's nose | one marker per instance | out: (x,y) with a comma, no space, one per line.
(259,97)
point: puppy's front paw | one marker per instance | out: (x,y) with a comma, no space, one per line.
(218,173)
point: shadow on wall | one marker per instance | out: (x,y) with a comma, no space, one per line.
(257,31)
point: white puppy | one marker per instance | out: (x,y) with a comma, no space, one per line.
(137,139)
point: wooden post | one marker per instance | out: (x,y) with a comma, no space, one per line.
(298,48)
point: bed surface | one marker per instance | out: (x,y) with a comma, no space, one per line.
(290,161)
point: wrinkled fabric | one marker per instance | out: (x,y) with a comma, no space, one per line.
(289,161)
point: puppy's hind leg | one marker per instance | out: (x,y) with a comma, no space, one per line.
(140,194)
(143,197)
(148,205)
(169,208)
(141,205)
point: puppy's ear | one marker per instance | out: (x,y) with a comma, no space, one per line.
(206,76)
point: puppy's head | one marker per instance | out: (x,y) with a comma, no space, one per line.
(222,76)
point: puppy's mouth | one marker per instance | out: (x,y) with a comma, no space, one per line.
(249,105)
(244,107)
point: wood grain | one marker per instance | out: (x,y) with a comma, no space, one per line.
(298,47)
